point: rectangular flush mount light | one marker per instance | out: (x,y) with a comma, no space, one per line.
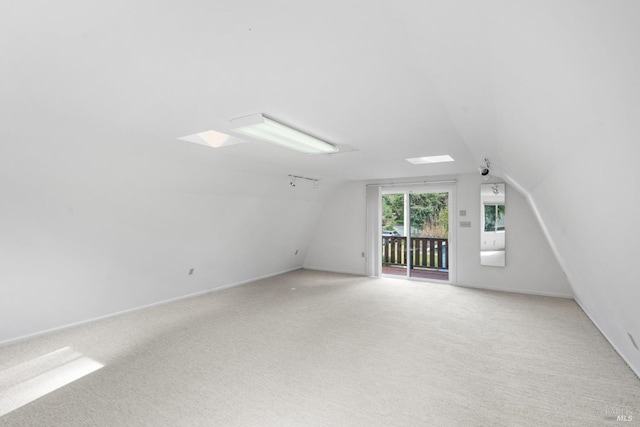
(261,127)
(430,159)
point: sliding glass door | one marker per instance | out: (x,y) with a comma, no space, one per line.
(415,234)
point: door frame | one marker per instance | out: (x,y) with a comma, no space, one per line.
(424,187)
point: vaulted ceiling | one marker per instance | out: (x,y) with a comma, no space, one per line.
(354,73)
(548,90)
(508,80)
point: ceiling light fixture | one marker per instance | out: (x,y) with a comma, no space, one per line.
(263,128)
(431,159)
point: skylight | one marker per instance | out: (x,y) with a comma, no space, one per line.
(211,138)
(431,159)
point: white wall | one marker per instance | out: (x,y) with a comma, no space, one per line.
(592,219)
(531,266)
(88,235)
(339,240)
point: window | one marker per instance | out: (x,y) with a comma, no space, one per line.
(493,218)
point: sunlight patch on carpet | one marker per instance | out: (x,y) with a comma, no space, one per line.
(28,381)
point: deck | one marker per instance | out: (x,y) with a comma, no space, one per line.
(427,256)
(417,273)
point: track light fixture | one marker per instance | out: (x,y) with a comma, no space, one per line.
(294,177)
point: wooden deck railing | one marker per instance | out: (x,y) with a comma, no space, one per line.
(426,252)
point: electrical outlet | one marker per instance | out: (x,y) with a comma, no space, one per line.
(190,271)
(463,213)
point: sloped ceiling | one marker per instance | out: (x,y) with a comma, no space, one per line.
(340,70)
(548,90)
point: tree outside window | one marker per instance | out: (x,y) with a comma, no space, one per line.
(493,218)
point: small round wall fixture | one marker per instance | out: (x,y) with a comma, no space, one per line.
(485,170)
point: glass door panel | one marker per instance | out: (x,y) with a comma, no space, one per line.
(394,240)
(428,243)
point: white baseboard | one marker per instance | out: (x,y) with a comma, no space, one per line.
(517,291)
(131,310)
(354,273)
(609,341)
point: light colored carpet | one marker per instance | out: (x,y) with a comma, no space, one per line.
(313,348)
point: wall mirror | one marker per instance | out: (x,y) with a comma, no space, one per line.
(492,224)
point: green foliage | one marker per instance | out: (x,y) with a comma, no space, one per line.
(429,213)
(392,210)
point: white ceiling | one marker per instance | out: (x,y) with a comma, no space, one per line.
(355,73)
(513,81)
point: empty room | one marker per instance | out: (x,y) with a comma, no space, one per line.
(336,213)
